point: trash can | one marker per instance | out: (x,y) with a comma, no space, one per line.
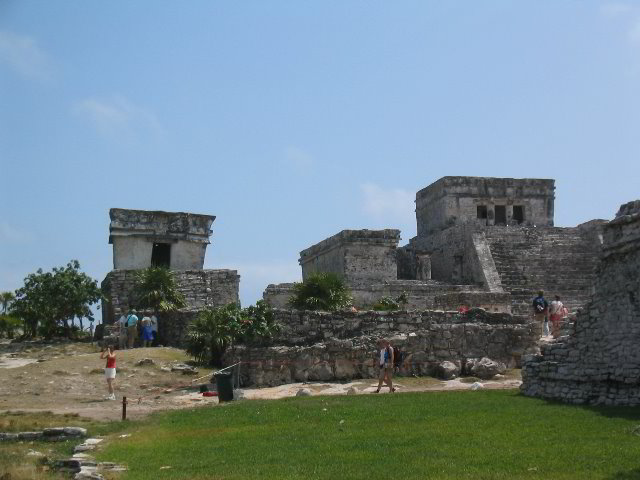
(224,382)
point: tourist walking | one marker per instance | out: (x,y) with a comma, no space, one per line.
(540,309)
(110,370)
(132,328)
(556,314)
(385,364)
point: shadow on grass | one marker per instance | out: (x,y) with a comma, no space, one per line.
(609,411)
(627,475)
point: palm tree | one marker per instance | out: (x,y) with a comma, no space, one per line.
(156,289)
(6,298)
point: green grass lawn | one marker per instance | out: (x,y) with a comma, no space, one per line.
(450,435)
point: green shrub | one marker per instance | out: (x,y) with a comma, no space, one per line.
(216,329)
(156,289)
(321,291)
(9,325)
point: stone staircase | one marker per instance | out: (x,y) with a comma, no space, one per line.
(560,261)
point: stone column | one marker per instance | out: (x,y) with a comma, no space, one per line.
(423,266)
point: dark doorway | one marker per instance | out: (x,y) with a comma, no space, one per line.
(501,215)
(518,214)
(482,212)
(161,255)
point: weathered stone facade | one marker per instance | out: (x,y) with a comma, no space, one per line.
(318,346)
(361,257)
(517,260)
(484,201)
(598,360)
(201,288)
(144,238)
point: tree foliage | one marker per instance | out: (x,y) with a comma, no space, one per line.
(9,325)
(216,329)
(321,291)
(156,289)
(5,299)
(53,299)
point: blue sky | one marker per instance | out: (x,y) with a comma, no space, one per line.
(291,121)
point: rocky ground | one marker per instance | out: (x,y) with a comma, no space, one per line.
(67,377)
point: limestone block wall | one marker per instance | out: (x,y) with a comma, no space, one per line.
(359,256)
(454,257)
(559,261)
(315,346)
(420,295)
(454,200)
(278,294)
(201,288)
(598,361)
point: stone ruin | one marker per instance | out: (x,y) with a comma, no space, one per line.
(481,242)
(598,360)
(175,240)
(485,244)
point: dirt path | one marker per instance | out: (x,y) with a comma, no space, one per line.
(68,378)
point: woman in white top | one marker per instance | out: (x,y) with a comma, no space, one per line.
(556,314)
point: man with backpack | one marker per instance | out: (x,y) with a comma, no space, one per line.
(132,328)
(540,309)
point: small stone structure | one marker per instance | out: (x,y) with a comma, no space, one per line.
(174,240)
(142,239)
(598,361)
(484,201)
(320,346)
(361,257)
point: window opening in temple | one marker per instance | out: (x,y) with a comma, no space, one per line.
(501,215)
(482,212)
(161,255)
(518,213)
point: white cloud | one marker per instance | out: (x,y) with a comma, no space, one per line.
(298,158)
(630,14)
(11,234)
(22,54)
(118,117)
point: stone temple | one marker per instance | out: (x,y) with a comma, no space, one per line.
(481,242)
(175,240)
